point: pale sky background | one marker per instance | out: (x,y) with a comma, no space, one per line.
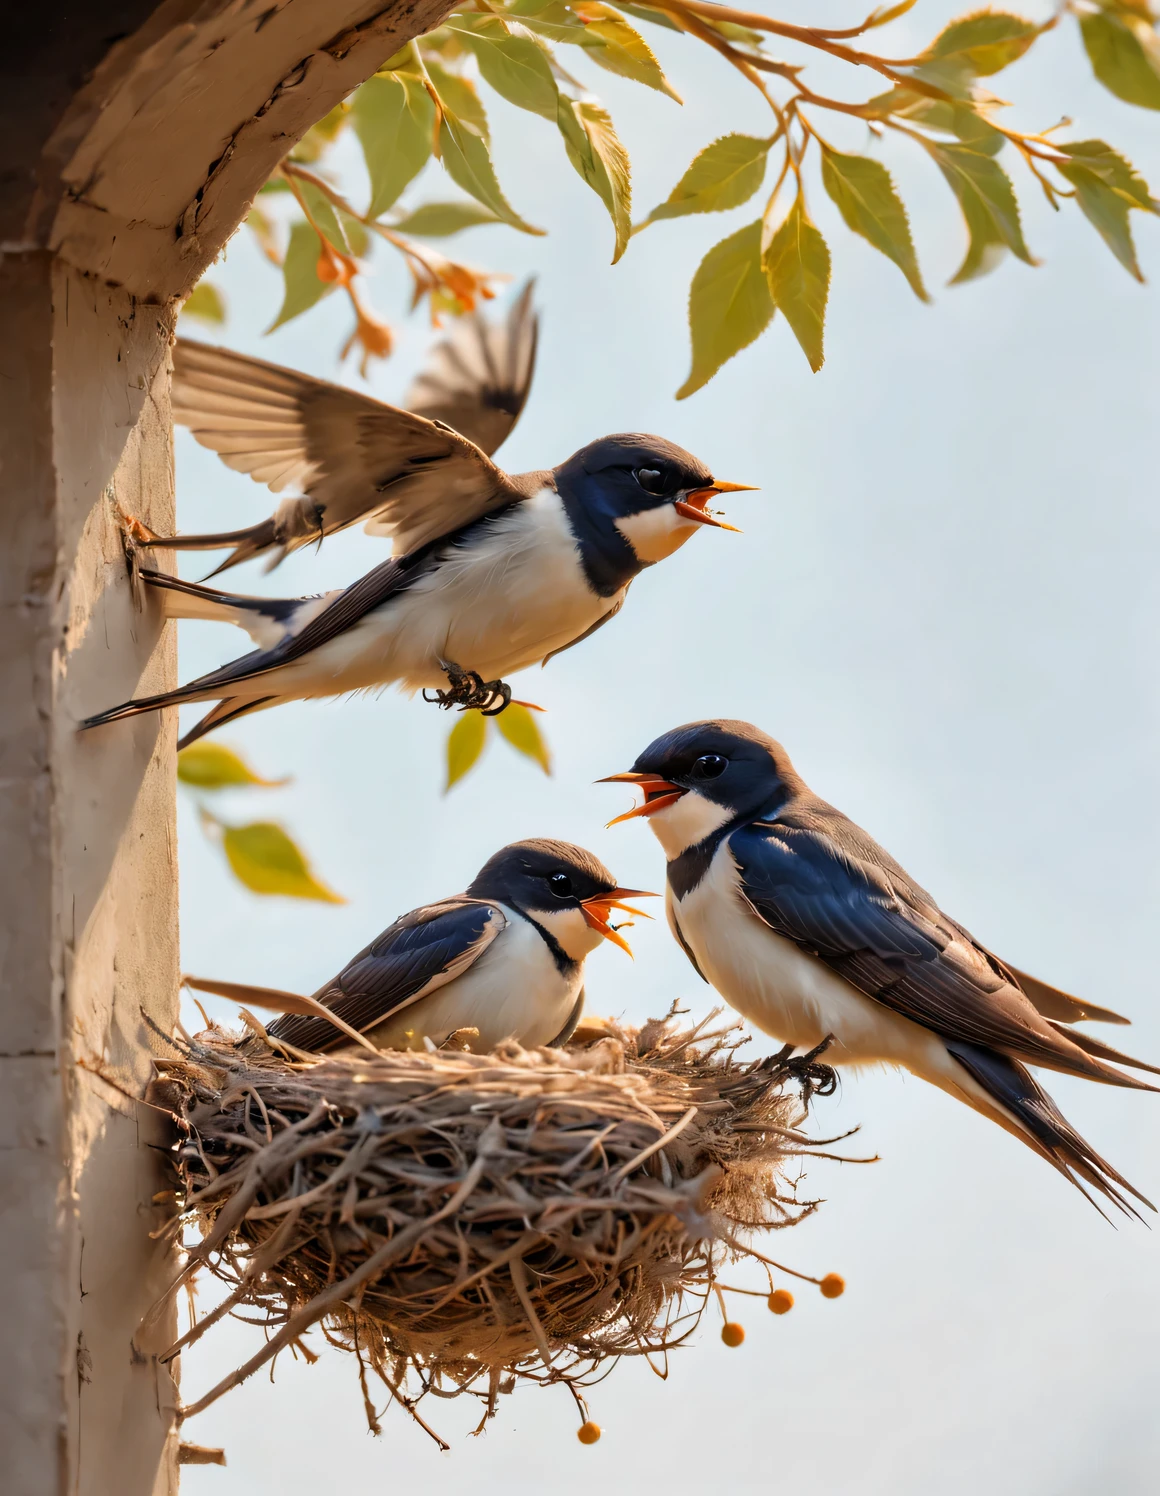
(945,605)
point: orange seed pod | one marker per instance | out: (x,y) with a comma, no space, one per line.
(588,1433)
(732,1333)
(780,1301)
(833,1286)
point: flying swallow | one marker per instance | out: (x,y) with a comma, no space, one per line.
(505,959)
(812,931)
(495,573)
(355,458)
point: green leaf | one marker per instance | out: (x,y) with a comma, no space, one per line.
(868,202)
(358,240)
(465,155)
(460,96)
(321,211)
(517,67)
(438,220)
(729,304)
(394,119)
(212,766)
(655,17)
(518,725)
(987,199)
(300,275)
(206,302)
(724,175)
(963,118)
(797,266)
(620,48)
(464,745)
(1124,51)
(1107,188)
(594,149)
(983,43)
(265,859)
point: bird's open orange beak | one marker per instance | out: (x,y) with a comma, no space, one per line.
(693,505)
(658,793)
(597,909)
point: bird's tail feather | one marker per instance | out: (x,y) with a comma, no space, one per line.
(262,618)
(1101,1051)
(1043,1126)
(246,543)
(228,710)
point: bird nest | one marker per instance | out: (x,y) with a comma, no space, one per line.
(460,1221)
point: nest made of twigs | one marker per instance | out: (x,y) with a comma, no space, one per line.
(461,1220)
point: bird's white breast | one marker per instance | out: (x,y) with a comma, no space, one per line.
(781,989)
(503,601)
(514,989)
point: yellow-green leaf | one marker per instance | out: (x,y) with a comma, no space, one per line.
(212,766)
(1107,188)
(464,745)
(615,45)
(966,118)
(267,861)
(987,199)
(594,149)
(438,220)
(460,97)
(519,727)
(468,161)
(797,267)
(319,207)
(1124,52)
(206,302)
(729,304)
(868,202)
(656,17)
(724,175)
(302,288)
(394,119)
(983,43)
(517,67)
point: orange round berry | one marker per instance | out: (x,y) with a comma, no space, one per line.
(833,1286)
(780,1301)
(588,1433)
(732,1333)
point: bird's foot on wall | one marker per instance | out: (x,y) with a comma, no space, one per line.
(469,691)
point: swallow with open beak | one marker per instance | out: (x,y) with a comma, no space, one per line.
(492,573)
(504,959)
(812,931)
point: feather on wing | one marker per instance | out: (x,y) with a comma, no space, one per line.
(817,879)
(420,952)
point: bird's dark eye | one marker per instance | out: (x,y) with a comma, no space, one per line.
(561,885)
(709,766)
(652,480)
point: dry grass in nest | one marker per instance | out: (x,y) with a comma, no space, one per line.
(459,1221)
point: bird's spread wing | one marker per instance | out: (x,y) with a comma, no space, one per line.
(418,953)
(353,457)
(477,378)
(819,881)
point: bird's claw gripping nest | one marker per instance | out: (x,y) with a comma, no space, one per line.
(813,1076)
(469,691)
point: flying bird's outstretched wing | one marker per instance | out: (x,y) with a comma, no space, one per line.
(478,377)
(354,458)
(419,953)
